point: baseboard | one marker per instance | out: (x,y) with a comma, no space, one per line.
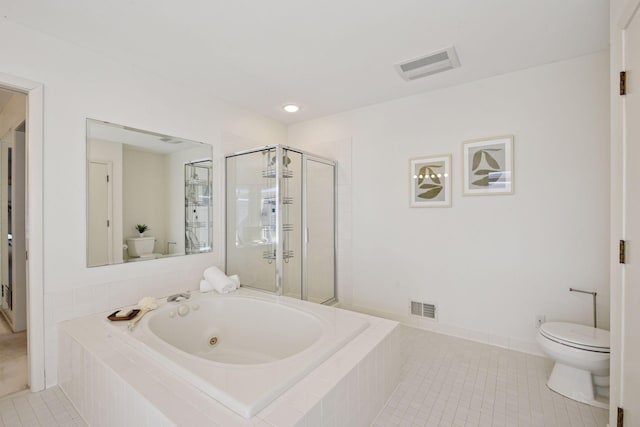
(528,347)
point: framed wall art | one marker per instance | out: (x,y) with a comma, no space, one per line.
(430,182)
(488,166)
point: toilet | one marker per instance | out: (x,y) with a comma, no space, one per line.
(141,248)
(581,355)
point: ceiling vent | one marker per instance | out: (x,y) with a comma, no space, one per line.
(435,62)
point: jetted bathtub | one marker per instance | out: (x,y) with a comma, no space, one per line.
(242,349)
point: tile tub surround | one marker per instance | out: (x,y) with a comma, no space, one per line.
(110,382)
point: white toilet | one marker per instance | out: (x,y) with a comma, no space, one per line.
(141,247)
(581,354)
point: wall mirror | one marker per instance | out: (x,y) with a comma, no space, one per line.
(148,195)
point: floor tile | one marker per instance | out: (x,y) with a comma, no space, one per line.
(46,408)
(13,359)
(455,382)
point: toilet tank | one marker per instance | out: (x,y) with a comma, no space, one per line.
(140,246)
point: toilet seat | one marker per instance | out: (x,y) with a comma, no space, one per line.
(577,336)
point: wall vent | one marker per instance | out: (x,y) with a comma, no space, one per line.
(436,62)
(422,309)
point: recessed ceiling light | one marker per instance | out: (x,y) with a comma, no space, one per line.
(291,108)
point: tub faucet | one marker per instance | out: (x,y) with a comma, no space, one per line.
(176,297)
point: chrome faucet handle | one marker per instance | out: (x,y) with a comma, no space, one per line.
(176,297)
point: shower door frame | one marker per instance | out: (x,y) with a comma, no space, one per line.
(305,230)
(279,261)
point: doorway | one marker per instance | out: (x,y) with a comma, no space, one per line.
(13,267)
(100,212)
(34,240)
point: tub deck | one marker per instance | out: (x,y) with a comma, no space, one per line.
(112,382)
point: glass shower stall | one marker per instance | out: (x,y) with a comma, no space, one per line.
(198,215)
(281,222)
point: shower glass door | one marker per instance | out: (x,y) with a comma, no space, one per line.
(251,219)
(281,222)
(319,206)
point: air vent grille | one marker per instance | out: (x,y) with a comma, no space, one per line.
(436,62)
(423,62)
(422,309)
(429,310)
(416,308)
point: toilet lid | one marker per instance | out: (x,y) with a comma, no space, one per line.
(578,336)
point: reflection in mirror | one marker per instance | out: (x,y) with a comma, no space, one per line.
(148,195)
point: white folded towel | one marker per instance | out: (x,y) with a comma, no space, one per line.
(217,281)
(205,286)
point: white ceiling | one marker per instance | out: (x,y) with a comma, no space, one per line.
(327,56)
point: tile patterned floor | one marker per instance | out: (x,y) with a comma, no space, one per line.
(448,381)
(13,359)
(49,408)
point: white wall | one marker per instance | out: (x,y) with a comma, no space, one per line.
(77,85)
(490,263)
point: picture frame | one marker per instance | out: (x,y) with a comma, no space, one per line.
(488,166)
(430,182)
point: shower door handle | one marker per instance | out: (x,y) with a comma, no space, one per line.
(306,235)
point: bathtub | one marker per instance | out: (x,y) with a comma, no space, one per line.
(243,350)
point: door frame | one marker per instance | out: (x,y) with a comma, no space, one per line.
(34,224)
(621,14)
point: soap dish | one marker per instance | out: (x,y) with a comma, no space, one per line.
(130,315)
